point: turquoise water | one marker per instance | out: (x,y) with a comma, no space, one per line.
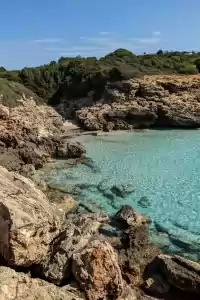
(163,166)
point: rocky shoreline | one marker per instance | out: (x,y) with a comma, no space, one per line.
(50,252)
(149,102)
(31,135)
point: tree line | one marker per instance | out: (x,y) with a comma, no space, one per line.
(74,77)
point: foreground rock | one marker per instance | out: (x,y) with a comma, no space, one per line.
(135,253)
(28,222)
(19,286)
(180,272)
(97,270)
(131,217)
(76,235)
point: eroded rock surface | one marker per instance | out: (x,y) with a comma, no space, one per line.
(31,134)
(28,222)
(130,216)
(19,286)
(161,101)
(180,272)
(97,270)
(76,235)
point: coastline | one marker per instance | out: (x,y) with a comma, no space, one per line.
(67,236)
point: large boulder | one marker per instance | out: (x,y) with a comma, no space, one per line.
(78,232)
(97,270)
(135,253)
(70,149)
(28,222)
(180,272)
(130,216)
(19,286)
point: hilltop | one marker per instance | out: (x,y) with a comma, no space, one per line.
(75,77)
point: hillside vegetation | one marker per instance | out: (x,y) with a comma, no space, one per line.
(75,77)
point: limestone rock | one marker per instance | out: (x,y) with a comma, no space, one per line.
(135,253)
(28,222)
(79,230)
(158,101)
(180,272)
(70,149)
(97,270)
(66,204)
(18,286)
(130,216)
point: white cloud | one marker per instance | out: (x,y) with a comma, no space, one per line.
(156,33)
(104,33)
(101,44)
(150,40)
(47,40)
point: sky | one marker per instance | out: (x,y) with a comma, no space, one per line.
(36,32)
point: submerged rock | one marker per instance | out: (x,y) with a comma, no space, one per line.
(144,202)
(28,222)
(122,190)
(63,201)
(19,286)
(66,204)
(97,270)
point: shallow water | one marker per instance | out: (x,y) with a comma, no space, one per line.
(163,166)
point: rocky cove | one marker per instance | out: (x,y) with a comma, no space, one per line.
(48,251)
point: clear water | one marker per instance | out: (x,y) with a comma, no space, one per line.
(163,166)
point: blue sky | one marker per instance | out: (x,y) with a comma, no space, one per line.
(35,32)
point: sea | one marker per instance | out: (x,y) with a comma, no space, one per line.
(155,171)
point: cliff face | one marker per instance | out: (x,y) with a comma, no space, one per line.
(153,101)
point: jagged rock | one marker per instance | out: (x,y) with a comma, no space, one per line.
(97,270)
(75,237)
(135,253)
(130,216)
(28,222)
(180,272)
(19,286)
(4,112)
(70,149)
(150,101)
